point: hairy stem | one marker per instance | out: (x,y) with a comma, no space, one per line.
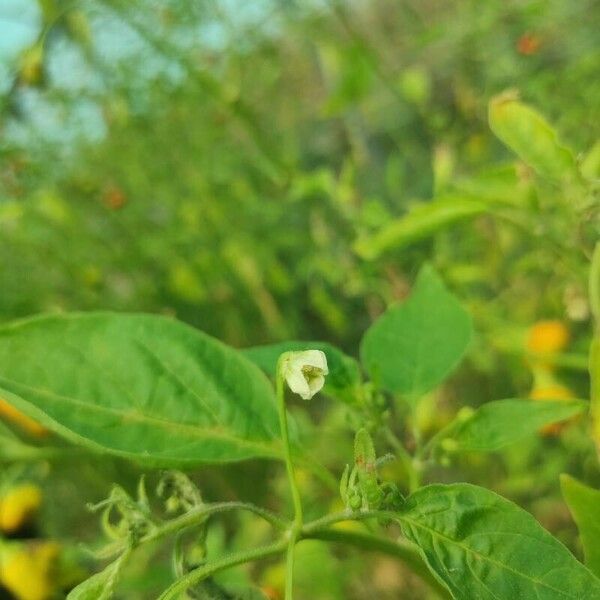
(196,517)
(365,541)
(318,529)
(239,558)
(298,518)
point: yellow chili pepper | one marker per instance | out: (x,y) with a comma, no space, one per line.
(547,337)
(10,413)
(27,570)
(18,506)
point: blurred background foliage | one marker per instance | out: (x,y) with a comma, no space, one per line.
(240,165)
(217,161)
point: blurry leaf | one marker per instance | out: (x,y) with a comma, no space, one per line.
(236,592)
(101,585)
(354,78)
(415,85)
(318,573)
(344,373)
(421,222)
(590,165)
(444,163)
(139,386)
(502,422)
(528,134)
(185,283)
(594,364)
(31,65)
(483,546)
(595,404)
(584,504)
(415,345)
(499,184)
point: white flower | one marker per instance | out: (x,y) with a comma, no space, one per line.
(304,371)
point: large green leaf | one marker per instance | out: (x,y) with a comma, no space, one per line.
(421,222)
(140,386)
(412,347)
(481,546)
(344,373)
(528,134)
(502,422)
(584,503)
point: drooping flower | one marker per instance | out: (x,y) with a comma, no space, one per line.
(305,372)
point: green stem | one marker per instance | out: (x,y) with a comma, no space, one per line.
(327,520)
(239,558)
(295,491)
(289,565)
(289,465)
(408,555)
(315,530)
(198,516)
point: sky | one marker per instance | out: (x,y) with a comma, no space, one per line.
(19,22)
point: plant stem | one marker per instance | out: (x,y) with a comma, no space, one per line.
(298,519)
(198,516)
(316,530)
(289,565)
(365,541)
(239,558)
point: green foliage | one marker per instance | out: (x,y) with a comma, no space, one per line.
(420,223)
(483,546)
(269,171)
(145,387)
(413,347)
(502,422)
(525,132)
(584,504)
(100,586)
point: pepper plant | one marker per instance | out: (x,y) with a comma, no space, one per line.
(168,397)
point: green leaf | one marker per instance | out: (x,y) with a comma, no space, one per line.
(584,504)
(139,386)
(100,586)
(590,163)
(421,222)
(344,373)
(528,134)
(413,346)
(499,185)
(503,422)
(482,546)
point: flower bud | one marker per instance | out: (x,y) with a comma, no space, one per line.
(304,372)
